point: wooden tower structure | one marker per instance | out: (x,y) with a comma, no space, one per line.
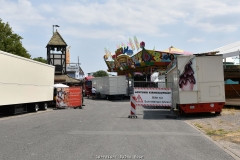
(56,53)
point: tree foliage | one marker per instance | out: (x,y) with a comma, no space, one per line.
(40,59)
(11,42)
(100,73)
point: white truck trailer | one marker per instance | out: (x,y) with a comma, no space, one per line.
(110,86)
(197,83)
(25,84)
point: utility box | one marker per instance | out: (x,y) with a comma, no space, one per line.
(197,83)
(110,86)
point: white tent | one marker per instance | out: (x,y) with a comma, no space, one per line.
(154,77)
(59,85)
(230,52)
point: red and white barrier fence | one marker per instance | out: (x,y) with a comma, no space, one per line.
(155,97)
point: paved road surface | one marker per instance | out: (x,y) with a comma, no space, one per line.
(101,130)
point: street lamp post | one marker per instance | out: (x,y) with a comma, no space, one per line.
(55,26)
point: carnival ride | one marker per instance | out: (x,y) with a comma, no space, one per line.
(145,61)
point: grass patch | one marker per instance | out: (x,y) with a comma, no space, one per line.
(198,125)
(219,128)
(230,111)
(219,132)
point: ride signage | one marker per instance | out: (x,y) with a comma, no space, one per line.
(153,96)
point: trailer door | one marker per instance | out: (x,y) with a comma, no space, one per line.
(211,81)
(122,85)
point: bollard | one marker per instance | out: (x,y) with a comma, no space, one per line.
(133,107)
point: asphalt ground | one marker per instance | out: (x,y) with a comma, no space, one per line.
(102,130)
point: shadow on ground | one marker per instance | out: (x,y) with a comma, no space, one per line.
(151,112)
(158,114)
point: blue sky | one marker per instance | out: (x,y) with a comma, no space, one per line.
(90,26)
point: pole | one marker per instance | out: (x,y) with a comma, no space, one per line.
(238,57)
(225,63)
(78,60)
(55,26)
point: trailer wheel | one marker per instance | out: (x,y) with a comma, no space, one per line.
(11,110)
(122,97)
(109,97)
(181,112)
(34,107)
(217,113)
(44,106)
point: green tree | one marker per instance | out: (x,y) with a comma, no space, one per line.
(100,73)
(40,59)
(11,42)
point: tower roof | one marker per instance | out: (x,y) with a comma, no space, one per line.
(57,40)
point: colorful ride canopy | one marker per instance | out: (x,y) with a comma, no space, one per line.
(121,62)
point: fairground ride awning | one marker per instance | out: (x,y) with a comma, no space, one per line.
(174,50)
(140,62)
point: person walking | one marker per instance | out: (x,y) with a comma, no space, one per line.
(93,93)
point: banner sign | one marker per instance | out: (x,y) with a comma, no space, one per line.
(72,68)
(153,96)
(69,97)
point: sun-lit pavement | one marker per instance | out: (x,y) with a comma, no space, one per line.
(102,130)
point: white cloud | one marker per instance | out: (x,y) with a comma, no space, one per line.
(92,33)
(129,17)
(119,37)
(196,40)
(213,16)
(116,20)
(211,27)
(144,17)
(46,8)
(19,14)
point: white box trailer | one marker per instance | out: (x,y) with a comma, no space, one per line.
(197,83)
(110,86)
(25,84)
